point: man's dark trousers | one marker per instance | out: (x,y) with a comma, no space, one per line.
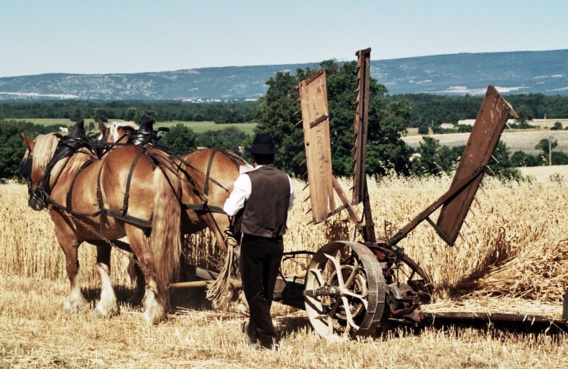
(260,260)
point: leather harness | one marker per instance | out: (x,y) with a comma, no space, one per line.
(68,146)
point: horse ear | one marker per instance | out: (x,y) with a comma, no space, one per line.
(78,129)
(30,144)
(102,127)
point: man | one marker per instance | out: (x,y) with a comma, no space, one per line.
(260,201)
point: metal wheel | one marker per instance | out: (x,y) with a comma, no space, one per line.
(344,290)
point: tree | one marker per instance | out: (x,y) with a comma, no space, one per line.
(522,159)
(525,114)
(230,138)
(431,158)
(144,116)
(274,113)
(546,145)
(180,139)
(12,148)
(130,114)
(77,115)
(100,114)
(502,167)
(386,150)
(423,129)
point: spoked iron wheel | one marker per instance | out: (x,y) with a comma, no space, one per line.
(344,290)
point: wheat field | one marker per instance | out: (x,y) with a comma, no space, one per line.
(512,256)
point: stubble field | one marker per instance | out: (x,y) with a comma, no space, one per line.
(512,257)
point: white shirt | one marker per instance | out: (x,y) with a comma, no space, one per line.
(241,192)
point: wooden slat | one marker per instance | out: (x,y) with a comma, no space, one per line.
(315,122)
(480,146)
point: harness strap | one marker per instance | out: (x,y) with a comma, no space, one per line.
(127,218)
(68,200)
(106,212)
(128,181)
(100,195)
(203,207)
(208,174)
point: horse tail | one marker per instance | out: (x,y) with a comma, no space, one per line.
(165,239)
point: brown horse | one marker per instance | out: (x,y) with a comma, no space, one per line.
(125,193)
(207,177)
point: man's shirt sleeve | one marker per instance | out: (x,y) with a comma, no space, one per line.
(241,192)
(291,204)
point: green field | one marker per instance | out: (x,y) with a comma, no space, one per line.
(197,127)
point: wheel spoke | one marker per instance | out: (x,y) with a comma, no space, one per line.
(362,298)
(348,314)
(319,276)
(354,272)
(333,310)
(336,263)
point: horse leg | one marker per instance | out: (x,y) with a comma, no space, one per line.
(107,306)
(134,273)
(75,301)
(136,276)
(153,306)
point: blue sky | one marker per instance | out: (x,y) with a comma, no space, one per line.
(103,36)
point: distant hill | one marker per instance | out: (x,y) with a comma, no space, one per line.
(524,72)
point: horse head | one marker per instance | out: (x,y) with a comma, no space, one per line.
(45,159)
(117,132)
(33,166)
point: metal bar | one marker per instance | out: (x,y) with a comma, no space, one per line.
(433,207)
(194,284)
(343,198)
(493,317)
(565,306)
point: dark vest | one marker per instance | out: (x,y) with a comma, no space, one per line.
(266,210)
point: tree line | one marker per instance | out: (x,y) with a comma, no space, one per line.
(426,110)
(130,110)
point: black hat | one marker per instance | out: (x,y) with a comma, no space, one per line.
(262,145)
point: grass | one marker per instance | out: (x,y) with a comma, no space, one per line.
(197,127)
(512,258)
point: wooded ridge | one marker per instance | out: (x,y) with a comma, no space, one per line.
(522,72)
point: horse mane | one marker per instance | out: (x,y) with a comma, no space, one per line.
(45,146)
(234,157)
(76,161)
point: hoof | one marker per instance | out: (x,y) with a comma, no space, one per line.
(75,308)
(105,312)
